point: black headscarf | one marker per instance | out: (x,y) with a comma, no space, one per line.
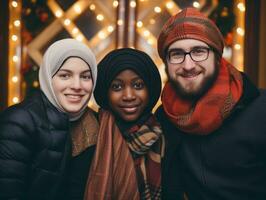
(121,59)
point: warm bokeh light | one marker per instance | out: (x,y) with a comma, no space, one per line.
(17,23)
(67,22)
(101,35)
(92,7)
(77,9)
(15,100)
(237,46)
(139,24)
(79,38)
(196,4)
(146,33)
(240,31)
(58,13)
(157,9)
(241,7)
(110,29)
(15,79)
(100,17)
(169,5)
(115,3)
(14,38)
(120,22)
(75,30)
(14,4)
(133,4)
(15,59)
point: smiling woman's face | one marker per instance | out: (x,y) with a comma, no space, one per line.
(73,85)
(128,95)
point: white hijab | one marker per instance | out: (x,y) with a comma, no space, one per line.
(53,59)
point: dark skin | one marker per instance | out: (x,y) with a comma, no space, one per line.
(128,95)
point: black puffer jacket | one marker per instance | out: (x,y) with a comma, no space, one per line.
(35,146)
(228,164)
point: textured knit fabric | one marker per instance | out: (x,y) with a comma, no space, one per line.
(229,163)
(147,148)
(53,60)
(209,112)
(122,59)
(189,24)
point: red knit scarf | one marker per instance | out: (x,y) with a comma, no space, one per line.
(116,173)
(210,110)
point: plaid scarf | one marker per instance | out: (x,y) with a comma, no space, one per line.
(208,113)
(126,168)
(146,145)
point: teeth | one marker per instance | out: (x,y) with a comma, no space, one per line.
(73,96)
(133,109)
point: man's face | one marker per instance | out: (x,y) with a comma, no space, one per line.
(196,73)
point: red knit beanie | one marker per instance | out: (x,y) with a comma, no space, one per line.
(189,24)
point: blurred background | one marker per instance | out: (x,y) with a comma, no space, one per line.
(28,27)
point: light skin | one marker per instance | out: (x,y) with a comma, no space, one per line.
(191,79)
(73,85)
(128,95)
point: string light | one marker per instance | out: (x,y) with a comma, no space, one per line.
(146,33)
(100,17)
(15,100)
(196,4)
(67,22)
(92,7)
(77,9)
(169,5)
(133,4)
(15,79)
(237,46)
(35,84)
(157,9)
(241,7)
(15,59)
(115,4)
(14,37)
(58,13)
(101,35)
(14,4)
(17,23)
(110,29)
(75,30)
(152,21)
(14,51)
(150,41)
(79,38)
(240,31)
(139,24)
(120,22)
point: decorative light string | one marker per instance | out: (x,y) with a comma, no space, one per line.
(14,54)
(238,35)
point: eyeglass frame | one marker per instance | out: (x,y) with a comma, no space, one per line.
(185,53)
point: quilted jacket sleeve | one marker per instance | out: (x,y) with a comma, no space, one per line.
(16,128)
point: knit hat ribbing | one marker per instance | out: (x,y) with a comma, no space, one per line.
(189,24)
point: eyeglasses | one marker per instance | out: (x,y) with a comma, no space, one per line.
(177,56)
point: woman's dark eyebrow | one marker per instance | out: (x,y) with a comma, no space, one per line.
(85,71)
